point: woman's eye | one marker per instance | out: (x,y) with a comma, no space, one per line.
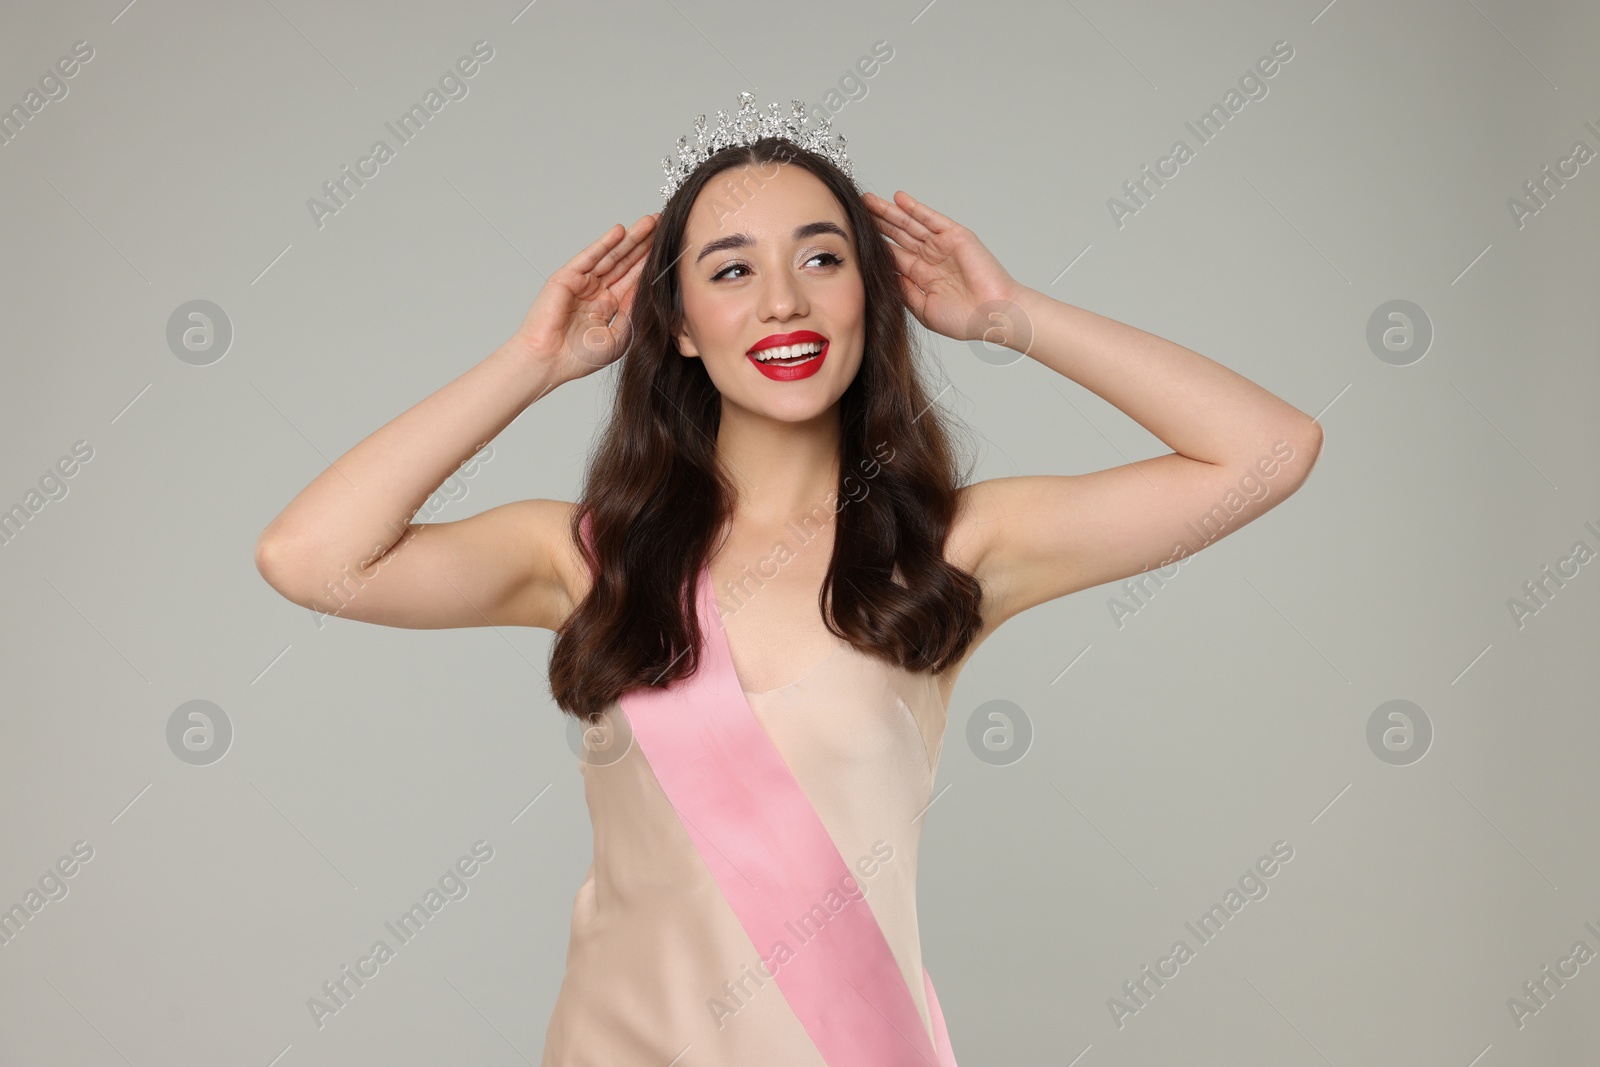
(832,260)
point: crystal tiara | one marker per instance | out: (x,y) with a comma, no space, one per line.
(746,127)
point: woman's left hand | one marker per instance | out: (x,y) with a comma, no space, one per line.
(947,276)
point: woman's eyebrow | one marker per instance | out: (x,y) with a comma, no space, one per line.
(744,240)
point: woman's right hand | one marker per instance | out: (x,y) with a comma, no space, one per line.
(582,318)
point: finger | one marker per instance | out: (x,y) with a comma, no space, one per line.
(585,261)
(632,240)
(626,292)
(624,264)
(906,241)
(626,288)
(888,212)
(914,297)
(896,215)
(925,215)
(912,267)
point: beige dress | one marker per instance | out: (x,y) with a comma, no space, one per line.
(659,969)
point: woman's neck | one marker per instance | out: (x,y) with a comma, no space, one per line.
(783,470)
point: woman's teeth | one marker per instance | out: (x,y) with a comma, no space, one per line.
(789,355)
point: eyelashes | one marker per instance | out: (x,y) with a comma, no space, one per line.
(833,261)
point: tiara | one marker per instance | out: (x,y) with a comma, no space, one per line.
(746,127)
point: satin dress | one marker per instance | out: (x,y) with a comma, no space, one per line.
(659,969)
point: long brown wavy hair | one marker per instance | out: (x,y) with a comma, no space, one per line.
(657,498)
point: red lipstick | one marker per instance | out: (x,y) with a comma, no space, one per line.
(795,371)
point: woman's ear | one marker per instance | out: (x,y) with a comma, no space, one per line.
(685,346)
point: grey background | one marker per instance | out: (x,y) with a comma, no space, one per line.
(1230,713)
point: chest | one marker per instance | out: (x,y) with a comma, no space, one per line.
(766,585)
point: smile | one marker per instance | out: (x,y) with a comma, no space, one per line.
(789,357)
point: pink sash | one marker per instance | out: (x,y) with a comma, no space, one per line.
(775,862)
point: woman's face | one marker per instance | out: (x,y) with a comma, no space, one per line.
(766,255)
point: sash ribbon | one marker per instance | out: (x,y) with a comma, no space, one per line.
(774,861)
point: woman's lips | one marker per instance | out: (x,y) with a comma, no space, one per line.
(794,373)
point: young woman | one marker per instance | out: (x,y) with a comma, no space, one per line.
(771,582)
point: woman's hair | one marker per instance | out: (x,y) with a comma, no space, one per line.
(656,499)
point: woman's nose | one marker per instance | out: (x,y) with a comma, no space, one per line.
(781,295)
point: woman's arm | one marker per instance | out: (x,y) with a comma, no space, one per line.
(345,545)
(1237,450)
